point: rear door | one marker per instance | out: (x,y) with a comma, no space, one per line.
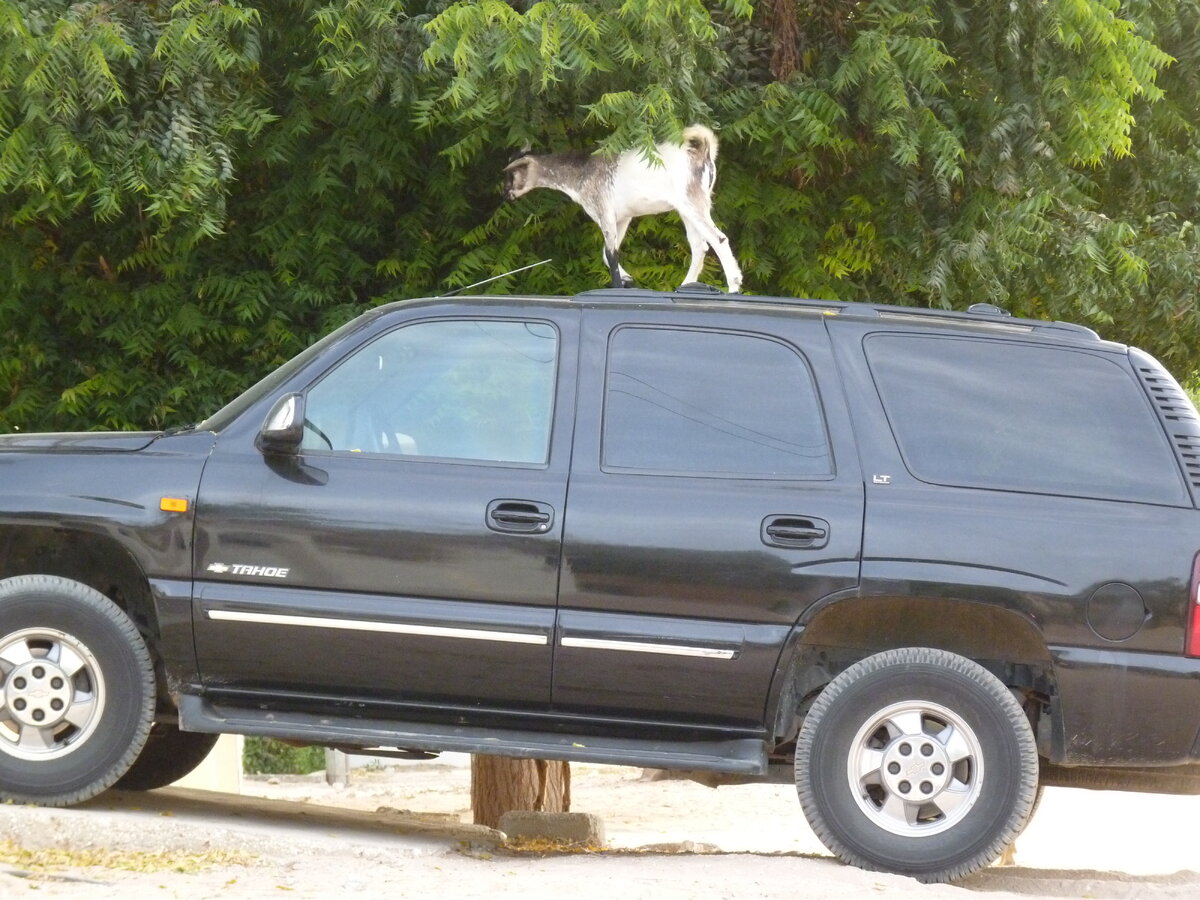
(712,500)
(409,553)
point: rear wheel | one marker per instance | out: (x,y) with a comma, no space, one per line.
(917,761)
(76,691)
(169,754)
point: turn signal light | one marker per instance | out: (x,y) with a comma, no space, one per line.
(173,504)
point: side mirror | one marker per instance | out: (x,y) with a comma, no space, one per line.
(284,429)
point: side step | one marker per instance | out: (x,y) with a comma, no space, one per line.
(745,756)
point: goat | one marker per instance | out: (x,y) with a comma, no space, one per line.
(612,191)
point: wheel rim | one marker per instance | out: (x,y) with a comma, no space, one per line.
(51,691)
(915,768)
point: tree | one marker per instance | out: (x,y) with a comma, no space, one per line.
(503,783)
(191,192)
(936,154)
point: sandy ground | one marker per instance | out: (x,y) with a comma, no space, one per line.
(397,831)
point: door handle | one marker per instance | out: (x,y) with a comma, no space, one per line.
(795,532)
(519,516)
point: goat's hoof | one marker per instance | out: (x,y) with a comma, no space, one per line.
(627,283)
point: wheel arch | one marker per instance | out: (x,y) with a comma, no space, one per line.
(96,560)
(843,632)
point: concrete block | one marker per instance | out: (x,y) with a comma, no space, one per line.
(337,768)
(561,827)
(221,769)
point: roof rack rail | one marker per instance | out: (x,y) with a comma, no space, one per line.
(693,290)
(987,309)
(974,313)
(623,295)
(699,287)
(988,313)
(977,313)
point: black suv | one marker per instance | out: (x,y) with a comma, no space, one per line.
(921,562)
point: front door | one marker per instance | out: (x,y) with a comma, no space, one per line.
(408,555)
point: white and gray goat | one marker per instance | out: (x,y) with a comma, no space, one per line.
(612,191)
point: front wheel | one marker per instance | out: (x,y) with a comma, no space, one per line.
(76,691)
(917,761)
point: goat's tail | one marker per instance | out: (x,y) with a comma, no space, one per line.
(702,148)
(701,141)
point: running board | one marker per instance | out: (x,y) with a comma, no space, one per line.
(745,756)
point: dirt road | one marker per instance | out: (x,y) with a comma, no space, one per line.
(397,832)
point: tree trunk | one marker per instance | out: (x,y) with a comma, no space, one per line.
(503,783)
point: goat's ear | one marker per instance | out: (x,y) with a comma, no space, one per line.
(516,177)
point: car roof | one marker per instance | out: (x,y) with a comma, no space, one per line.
(978,317)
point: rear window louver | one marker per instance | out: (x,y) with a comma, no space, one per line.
(1177,414)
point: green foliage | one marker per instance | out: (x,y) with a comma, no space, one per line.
(1193,392)
(190,192)
(118,105)
(266,756)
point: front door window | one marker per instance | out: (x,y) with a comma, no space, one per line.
(478,390)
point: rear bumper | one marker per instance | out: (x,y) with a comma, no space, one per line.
(1121,708)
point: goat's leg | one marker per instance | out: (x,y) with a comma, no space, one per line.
(612,261)
(613,232)
(620,278)
(626,278)
(701,220)
(699,248)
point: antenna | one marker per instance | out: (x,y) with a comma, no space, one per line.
(467,287)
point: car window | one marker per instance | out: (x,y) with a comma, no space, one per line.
(703,402)
(994,414)
(459,389)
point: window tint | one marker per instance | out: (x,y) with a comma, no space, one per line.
(481,390)
(706,402)
(1020,417)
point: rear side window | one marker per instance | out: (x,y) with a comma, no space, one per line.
(711,403)
(992,414)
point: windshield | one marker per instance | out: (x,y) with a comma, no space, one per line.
(223,417)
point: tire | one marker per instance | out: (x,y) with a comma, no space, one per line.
(919,762)
(76,691)
(169,754)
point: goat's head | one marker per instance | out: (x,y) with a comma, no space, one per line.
(520,176)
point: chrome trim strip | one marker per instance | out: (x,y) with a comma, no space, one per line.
(643,647)
(470,634)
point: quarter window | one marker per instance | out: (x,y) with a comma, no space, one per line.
(700,402)
(461,389)
(993,414)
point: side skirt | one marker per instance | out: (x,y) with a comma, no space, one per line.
(745,756)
